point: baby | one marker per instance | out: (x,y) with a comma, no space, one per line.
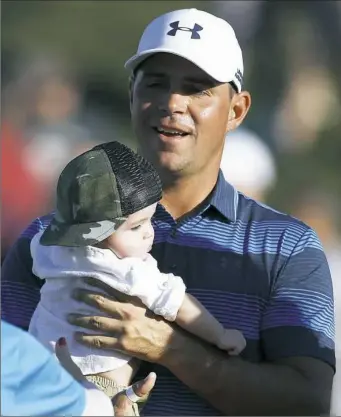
(102,228)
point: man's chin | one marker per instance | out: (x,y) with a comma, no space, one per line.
(171,163)
(167,163)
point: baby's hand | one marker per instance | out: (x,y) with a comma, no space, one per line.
(232,341)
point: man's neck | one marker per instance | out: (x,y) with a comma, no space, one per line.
(184,194)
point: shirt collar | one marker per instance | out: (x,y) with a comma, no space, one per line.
(225,198)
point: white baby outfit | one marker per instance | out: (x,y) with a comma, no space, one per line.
(64,268)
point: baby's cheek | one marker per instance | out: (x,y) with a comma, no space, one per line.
(135,245)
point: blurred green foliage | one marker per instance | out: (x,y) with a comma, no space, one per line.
(97,37)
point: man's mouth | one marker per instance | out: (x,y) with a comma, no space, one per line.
(171,133)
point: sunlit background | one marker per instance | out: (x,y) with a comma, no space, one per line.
(64,89)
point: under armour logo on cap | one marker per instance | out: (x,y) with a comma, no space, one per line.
(175,27)
(239,76)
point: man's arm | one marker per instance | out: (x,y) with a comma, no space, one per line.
(297,332)
(292,386)
(20,288)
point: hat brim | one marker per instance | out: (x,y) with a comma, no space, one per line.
(137,59)
(81,234)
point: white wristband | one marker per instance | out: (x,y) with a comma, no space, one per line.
(129,392)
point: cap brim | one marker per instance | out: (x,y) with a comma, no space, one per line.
(81,234)
(137,59)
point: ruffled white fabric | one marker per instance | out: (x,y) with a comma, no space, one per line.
(64,269)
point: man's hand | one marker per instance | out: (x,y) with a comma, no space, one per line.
(123,405)
(133,329)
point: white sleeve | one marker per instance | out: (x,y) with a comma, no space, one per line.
(161,293)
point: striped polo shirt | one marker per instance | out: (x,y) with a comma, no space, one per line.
(255,269)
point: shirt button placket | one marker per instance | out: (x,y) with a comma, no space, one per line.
(171,265)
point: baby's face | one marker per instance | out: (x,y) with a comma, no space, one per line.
(134,238)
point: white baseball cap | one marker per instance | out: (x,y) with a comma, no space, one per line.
(200,37)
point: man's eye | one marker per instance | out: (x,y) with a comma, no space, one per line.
(200,91)
(136,227)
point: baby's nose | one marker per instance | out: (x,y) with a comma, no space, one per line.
(149,234)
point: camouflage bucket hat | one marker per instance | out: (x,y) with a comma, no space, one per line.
(97,191)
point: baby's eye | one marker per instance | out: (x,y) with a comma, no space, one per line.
(136,227)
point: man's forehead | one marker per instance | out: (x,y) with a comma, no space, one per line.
(169,65)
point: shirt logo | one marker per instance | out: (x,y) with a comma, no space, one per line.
(175,27)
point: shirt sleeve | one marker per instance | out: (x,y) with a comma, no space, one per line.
(32,381)
(20,288)
(164,293)
(299,317)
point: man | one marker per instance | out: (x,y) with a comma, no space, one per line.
(255,269)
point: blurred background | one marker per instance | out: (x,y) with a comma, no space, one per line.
(64,89)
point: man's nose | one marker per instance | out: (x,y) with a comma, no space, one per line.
(174,102)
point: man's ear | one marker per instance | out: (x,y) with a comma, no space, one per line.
(240,105)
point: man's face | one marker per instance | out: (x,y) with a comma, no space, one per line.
(179,115)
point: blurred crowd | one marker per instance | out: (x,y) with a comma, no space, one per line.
(56,104)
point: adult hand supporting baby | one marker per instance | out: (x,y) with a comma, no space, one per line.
(142,389)
(131,328)
(121,403)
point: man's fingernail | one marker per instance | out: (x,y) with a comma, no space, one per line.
(62,341)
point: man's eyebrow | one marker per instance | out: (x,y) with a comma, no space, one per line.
(194,80)
(204,81)
(154,74)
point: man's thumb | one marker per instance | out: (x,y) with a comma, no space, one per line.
(142,388)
